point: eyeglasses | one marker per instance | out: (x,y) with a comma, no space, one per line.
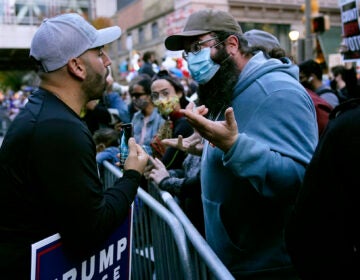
(195,47)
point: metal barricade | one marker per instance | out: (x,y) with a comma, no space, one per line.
(166,245)
(206,264)
(159,247)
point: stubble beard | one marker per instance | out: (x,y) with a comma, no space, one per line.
(217,94)
(94,85)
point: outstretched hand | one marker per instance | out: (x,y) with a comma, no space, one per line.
(158,171)
(201,110)
(137,158)
(222,134)
(192,144)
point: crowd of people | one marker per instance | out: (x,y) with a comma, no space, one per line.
(257,150)
(11,102)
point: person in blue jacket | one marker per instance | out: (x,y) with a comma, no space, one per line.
(113,100)
(260,129)
(107,147)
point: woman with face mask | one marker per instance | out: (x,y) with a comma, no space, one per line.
(167,93)
(147,120)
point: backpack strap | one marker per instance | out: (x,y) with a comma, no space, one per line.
(341,97)
(325,90)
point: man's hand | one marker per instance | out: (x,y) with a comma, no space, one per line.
(137,158)
(201,110)
(117,126)
(191,144)
(222,134)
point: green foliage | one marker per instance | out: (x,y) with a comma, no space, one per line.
(15,79)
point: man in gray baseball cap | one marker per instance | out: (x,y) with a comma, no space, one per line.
(49,177)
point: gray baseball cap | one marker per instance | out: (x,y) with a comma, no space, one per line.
(63,37)
(256,37)
(202,22)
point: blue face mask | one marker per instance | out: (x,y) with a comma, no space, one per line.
(202,67)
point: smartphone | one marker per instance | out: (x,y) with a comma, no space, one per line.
(126,132)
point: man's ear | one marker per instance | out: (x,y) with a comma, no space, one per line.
(77,68)
(232,44)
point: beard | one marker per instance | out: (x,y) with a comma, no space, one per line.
(217,94)
(94,84)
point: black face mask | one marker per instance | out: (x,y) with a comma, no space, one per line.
(333,84)
(306,84)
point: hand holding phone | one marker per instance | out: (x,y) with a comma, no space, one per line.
(137,159)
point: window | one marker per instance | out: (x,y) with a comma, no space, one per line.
(141,35)
(123,3)
(118,46)
(154,30)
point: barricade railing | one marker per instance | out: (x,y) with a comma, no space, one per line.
(166,245)
(206,263)
(159,248)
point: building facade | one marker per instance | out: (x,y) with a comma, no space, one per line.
(146,23)
(19,20)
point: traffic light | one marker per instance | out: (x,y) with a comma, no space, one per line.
(318,24)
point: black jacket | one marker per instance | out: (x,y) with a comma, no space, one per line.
(50,184)
(322,236)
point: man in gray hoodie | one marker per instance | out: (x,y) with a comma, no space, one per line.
(261,131)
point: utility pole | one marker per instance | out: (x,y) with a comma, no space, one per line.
(308,34)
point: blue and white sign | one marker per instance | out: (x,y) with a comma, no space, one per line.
(113,261)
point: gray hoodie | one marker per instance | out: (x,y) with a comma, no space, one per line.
(248,192)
